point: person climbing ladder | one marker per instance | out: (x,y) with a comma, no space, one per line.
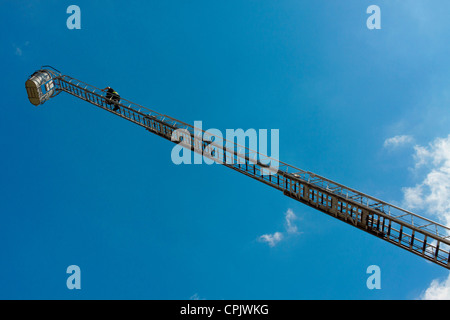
(113,96)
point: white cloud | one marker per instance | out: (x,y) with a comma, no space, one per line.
(437,290)
(271,239)
(291,228)
(432,194)
(398,141)
(290,217)
(18,50)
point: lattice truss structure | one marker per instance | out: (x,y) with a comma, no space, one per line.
(409,231)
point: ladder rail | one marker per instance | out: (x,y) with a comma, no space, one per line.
(391,223)
(391,209)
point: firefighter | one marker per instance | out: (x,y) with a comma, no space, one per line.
(113,96)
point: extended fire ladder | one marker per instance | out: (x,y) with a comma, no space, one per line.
(409,231)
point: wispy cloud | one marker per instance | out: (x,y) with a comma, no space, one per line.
(398,141)
(437,290)
(432,195)
(290,217)
(273,239)
(18,50)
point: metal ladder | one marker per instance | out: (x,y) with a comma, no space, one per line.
(409,231)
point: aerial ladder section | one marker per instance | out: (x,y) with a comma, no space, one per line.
(409,231)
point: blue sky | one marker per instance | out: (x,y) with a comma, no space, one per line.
(83,187)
